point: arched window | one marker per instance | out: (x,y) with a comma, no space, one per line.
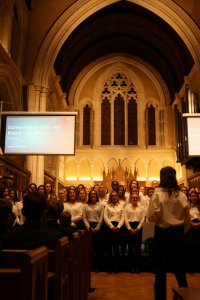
(132,117)
(119,112)
(86,125)
(151,123)
(119,125)
(105,121)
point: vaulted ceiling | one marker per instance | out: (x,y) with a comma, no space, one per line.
(131,29)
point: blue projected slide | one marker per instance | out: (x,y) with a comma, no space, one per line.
(40,135)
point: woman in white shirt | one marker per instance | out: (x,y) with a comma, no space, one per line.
(168,209)
(75,208)
(193,235)
(103,195)
(134,220)
(114,219)
(93,219)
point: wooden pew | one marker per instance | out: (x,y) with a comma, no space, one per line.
(186,293)
(68,267)
(25,276)
(58,270)
(73,263)
(85,263)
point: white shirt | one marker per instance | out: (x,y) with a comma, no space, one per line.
(104,201)
(114,213)
(123,202)
(17,210)
(93,213)
(169,210)
(134,214)
(76,210)
(194,212)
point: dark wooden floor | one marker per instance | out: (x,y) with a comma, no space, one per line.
(126,286)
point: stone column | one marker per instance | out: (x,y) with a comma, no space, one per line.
(33,105)
(40,158)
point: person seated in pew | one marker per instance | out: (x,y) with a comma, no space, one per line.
(33,233)
(6,224)
(6,217)
(52,215)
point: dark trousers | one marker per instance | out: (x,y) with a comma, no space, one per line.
(134,246)
(193,248)
(113,242)
(169,253)
(96,247)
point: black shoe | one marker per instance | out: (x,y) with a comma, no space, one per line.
(137,271)
(132,271)
(90,290)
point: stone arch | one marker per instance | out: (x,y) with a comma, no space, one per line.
(112,164)
(155,102)
(84,170)
(10,86)
(153,170)
(71,169)
(102,70)
(80,10)
(126,164)
(141,169)
(98,169)
(121,63)
(167,162)
(52,102)
(79,120)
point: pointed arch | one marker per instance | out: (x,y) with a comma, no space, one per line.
(141,170)
(71,170)
(112,164)
(84,121)
(80,10)
(10,84)
(126,164)
(154,169)
(98,169)
(167,162)
(85,170)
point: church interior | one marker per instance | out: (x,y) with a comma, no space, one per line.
(129,69)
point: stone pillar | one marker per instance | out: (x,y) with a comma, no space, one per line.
(33,105)
(37,97)
(57,167)
(40,158)
(112,123)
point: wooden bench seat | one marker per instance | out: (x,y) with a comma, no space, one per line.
(186,293)
(27,278)
(57,271)
(68,268)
